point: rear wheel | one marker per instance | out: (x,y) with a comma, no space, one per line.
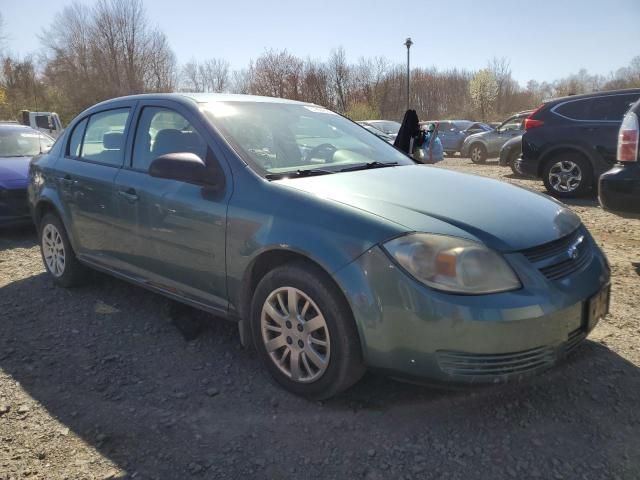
(567,175)
(57,254)
(478,153)
(304,332)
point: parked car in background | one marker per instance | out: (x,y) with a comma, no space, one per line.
(376,132)
(570,141)
(485,145)
(453,132)
(18,144)
(619,189)
(46,122)
(510,152)
(332,250)
(389,127)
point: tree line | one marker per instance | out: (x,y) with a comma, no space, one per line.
(92,53)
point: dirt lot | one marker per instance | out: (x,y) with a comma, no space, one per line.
(111,381)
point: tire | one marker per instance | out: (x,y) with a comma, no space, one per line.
(567,175)
(57,254)
(332,337)
(478,153)
(512,164)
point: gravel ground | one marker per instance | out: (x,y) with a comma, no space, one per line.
(111,381)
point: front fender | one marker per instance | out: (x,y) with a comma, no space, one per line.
(274,217)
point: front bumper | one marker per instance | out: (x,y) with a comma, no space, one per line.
(409,330)
(619,190)
(464,150)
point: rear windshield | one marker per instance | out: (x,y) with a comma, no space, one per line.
(23,143)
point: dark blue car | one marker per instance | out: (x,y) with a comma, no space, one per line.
(18,144)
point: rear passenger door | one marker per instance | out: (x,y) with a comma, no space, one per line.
(93,156)
(175,239)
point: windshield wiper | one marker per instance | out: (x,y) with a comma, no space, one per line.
(366,166)
(298,173)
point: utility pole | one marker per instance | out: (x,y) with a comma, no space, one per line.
(408,44)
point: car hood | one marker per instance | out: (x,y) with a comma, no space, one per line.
(13,171)
(426,199)
(478,135)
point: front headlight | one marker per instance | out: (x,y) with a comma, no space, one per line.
(453,264)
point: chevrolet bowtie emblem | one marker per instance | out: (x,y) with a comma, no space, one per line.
(573,249)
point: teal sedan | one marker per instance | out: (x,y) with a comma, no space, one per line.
(332,250)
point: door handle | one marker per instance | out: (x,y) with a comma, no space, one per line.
(67,180)
(130,195)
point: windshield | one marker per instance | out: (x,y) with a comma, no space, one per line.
(23,143)
(283,137)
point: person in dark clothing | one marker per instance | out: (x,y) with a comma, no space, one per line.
(409,129)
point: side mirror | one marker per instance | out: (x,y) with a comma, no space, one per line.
(185,167)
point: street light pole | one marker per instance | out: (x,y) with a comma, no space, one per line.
(408,44)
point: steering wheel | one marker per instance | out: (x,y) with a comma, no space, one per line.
(324,151)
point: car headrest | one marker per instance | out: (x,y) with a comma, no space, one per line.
(113,140)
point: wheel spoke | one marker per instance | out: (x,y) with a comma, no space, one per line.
(273,314)
(317,341)
(315,358)
(295,365)
(292,299)
(304,309)
(282,304)
(315,323)
(305,362)
(275,343)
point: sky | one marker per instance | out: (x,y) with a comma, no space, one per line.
(543,39)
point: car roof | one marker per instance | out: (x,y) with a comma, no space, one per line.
(601,93)
(203,98)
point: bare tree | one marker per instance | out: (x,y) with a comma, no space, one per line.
(340,75)
(277,74)
(107,50)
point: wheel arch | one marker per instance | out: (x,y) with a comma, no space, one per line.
(262,264)
(554,151)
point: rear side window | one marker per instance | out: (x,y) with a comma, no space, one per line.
(161,131)
(104,138)
(574,109)
(75,142)
(612,107)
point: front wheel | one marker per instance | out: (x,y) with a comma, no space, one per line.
(513,164)
(57,254)
(478,153)
(304,332)
(567,175)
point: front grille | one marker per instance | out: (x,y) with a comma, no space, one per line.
(478,364)
(575,338)
(562,257)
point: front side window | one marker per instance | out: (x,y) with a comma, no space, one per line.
(283,137)
(161,131)
(104,138)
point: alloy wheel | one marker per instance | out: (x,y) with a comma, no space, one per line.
(295,334)
(565,176)
(476,154)
(53,250)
